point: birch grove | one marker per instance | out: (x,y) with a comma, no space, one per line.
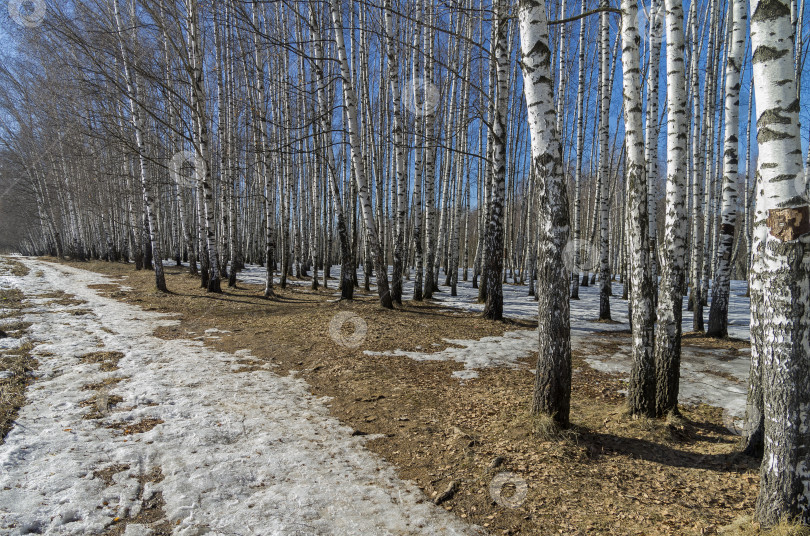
(406,151)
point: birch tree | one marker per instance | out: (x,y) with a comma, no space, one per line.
(641,390)
(780,288)
(137,125)
(493,309)
(347,262)
(198,100)
(552,389)
(358,164)
(604,169)
(652,130)
(670,299)
(429,124)
(401,177)
(580,142)
(718,312)
(697,183)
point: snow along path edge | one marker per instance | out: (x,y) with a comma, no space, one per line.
(240,453)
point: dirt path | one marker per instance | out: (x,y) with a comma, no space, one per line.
(124,432)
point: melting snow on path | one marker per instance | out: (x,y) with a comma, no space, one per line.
(241,453)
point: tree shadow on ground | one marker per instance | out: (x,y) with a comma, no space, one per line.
(666,452)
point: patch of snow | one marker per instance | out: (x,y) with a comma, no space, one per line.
(137,530)
(517,303)
(10,343)
(705,377)
(487,352)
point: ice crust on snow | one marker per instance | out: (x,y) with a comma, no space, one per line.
(240,453)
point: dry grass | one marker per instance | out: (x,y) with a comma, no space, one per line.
(15,268)
(745,526)
(58,297)
(100,403)
(543,427)
(106,474)
(10,302)
(18,361)
(15,329)
(128,428)
(104,384)
(12,389)
(108,361)
(151,514)
(692,338)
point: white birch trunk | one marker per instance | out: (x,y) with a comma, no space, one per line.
(656,18)
(137,125)
(201,145)
(493,309)
(552,390)
(604,169)
(670,299)
(400,160)
(779,274)
(641,390)
(350,102)
(580,141)
(718,313)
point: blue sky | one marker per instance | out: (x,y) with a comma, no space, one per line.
(9,30)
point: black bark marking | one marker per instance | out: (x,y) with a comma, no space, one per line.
(768,10)
(766,53)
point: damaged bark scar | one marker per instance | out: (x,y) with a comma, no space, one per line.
(727,229)
(789,223)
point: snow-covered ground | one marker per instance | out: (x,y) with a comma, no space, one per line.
(240,453)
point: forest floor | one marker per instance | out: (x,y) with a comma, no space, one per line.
(437,425)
